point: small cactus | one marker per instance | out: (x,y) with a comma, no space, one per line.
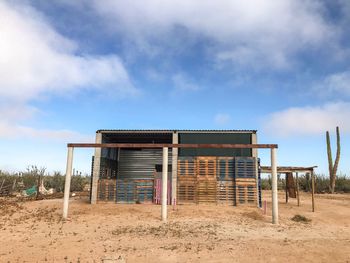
(333,167)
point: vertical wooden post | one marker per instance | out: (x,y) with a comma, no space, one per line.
(67,182)
(37,187)
(274,186)
(286,188)
(313,190)
(164,184)
(297,184)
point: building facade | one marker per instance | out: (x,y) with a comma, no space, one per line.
(229,176)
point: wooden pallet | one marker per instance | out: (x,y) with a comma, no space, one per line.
(187,190)
(226,192)
(106,190)
(125,191)
(186,167)
(225,168)
(245,167)
(206,168)
(245,191)
(144,190)
(206,191)
(214,180)
(108,168)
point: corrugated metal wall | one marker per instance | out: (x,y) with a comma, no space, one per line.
(140,164)
(220,138)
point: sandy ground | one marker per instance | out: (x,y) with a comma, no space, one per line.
(34,232)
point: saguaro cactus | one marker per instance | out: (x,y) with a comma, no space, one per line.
(332,167)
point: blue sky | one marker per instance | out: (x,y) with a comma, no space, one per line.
(69,68)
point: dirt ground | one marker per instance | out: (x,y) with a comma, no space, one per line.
(34,232)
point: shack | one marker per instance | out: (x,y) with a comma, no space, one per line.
(204,175)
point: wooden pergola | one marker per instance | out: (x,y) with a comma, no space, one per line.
(295,169)
(165,147)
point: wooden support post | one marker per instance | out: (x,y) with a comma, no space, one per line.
(164,184)
(313,190)
(297,185)
(67,182)
(274,186)
(286,188)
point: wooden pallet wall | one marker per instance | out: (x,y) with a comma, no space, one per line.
(187,180)
(245,167)
(206,179)
(215,180)
(225,168)
(206,168)
(226,192)
(106,190)
(245,191)
(225,181)
(125,191)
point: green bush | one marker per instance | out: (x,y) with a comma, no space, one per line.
(30,177)
(342,183)
(55,181)
(265,184)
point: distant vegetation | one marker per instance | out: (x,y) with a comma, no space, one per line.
(342,183)
(29,178)
(55,180)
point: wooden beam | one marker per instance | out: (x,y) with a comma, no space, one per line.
(288,169)
(169,145)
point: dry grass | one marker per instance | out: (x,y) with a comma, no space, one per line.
(254,215)
(301,219)
(194,233)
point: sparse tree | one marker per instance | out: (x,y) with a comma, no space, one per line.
(333,167)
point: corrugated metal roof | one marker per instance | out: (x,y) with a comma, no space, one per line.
(170,130)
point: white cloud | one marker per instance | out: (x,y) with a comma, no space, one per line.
(222,119)
(309,120)
(36,60)
(12,115)
(335,84)
(183,83)
(15,131)
(245,32)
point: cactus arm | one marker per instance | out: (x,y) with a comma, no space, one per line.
(336,162)
(329,153)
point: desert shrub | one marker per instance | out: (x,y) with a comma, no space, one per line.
(55,181)
(301,219)
(321,184)
(78,183)
(30,177)
(342,184)
(265,184)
